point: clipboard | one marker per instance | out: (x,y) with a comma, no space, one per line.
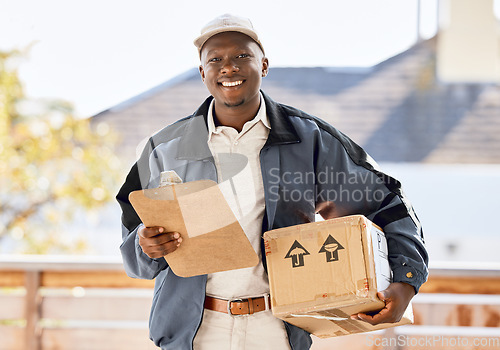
(212,238)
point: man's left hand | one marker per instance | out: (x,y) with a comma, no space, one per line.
(396,297)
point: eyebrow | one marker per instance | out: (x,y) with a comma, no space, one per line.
(211,51)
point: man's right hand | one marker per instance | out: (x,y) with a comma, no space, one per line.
(156,243)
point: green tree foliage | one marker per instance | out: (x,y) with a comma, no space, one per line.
(52,165)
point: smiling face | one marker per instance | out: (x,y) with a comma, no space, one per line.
(232,67)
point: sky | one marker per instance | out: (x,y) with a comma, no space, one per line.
(97,54)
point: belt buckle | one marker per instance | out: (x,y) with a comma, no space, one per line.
(229,305)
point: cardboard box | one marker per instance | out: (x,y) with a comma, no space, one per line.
(320,273)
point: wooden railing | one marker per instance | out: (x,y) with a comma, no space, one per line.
(58,303)
(54,302)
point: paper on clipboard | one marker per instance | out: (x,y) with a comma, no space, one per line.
(212,238)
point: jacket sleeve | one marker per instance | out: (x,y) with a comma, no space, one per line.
(408,257)
(355,185)
(137,264)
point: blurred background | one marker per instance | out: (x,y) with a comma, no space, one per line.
(82,84)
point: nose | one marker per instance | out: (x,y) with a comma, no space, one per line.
(229,66)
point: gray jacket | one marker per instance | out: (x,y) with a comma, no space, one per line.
(304,162)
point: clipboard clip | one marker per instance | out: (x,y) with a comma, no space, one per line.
(169,177)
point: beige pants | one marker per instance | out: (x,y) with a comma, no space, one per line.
(260,331)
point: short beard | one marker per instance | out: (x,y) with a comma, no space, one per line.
(234,104)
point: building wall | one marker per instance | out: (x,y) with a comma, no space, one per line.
(469,42)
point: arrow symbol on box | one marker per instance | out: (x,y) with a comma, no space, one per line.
(331,247)
(296,253)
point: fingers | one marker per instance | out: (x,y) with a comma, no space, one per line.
(147,232)
(156,243)
(383,316)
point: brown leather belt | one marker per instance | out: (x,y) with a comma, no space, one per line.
(238,306)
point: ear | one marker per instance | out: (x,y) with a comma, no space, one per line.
(265,66)
(202,73)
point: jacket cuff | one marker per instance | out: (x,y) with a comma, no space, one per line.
(407,274)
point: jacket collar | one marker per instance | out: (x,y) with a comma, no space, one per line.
(193,144)
(193,141)
(282,130)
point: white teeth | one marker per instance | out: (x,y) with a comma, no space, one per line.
(232,83)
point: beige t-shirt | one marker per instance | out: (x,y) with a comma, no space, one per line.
(237,161)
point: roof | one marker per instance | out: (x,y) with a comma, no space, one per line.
(396,110)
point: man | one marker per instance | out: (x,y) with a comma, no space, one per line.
(251,145)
